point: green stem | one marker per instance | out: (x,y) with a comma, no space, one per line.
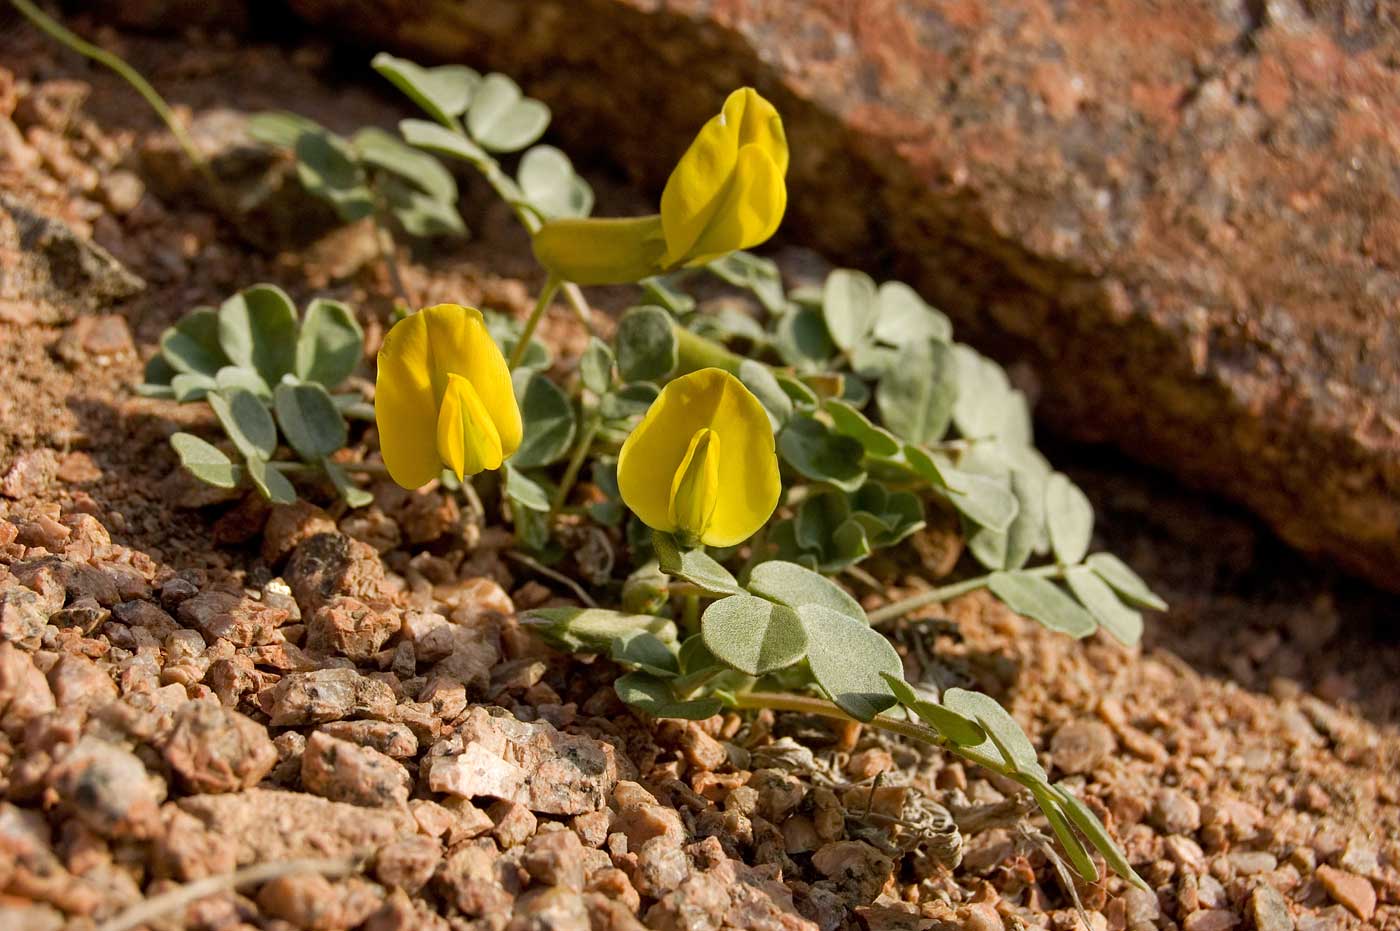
(690,612)
(591,426)
(696,352)
(758,548)
(551,287)
(935,595)
(803,704)
(59,32)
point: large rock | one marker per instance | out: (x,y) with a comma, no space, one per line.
(1184,216)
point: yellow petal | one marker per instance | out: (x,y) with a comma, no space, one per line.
(405,406)
(420,355)
(467,439)
(698,187)
(601,251)
(748,481)
(478,359)
(695,489)
(751,209)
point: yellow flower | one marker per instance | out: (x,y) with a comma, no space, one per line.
(443,397)
(726,193)
(701,464)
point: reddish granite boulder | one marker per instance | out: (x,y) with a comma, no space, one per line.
(1184,216)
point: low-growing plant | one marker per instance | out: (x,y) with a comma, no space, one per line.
(737,461)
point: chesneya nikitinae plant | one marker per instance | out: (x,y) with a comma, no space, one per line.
(261,368)
(853,413)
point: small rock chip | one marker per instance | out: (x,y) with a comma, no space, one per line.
(271,824)
(1210,919)
(1081,745)
(660,868)
(858,869)
(1175,812)
(225,616)
(514,823)
(390,738)
(350,628)
(408,864)
(1354,892)
(1251,862)
(108,789)
(22,618)
(327,695)
(24,692)
(531,763)
(289,525)
(345,772)
(555,859)
(1269,910)
(330,564)
(215,749)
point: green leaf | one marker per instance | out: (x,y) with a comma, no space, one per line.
(501,118)
(192,386)
(157,375)
(694,566)
(628,401)
(1043,601)
(235,376)
(792,585)
(986,501)
(1070,518)
(1118,619)
(1125,581)
(258,330)
(205,461)
(595,367)
(1074,849)
(847,658)
(758,275)
(549,182)
(443,92)
(753,635)
(524,490)
(849,307)
(592,630)
(387,152)
(327,168)
(271,483)
(987,405)
(916,395)
(421,214)
(803,397)
(549,422)
(961,730)
(1011,548)
(802,339)
(647,652)
(281,128)
(352,494)
(310,420)
(848,421)
(1088,823)
(246,421)
(1003,733)
(443,141)
(192,344)
(759,379)
(661,291)
(646,344)
(654,696)
(329,344)
(821,455)
(904,317)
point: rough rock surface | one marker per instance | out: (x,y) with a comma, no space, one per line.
(1185,217)
(532,764)
(49,273)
